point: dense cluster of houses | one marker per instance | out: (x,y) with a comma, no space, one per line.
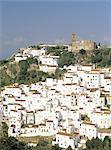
(71,110)
(47,63)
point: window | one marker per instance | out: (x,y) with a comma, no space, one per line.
(13,130)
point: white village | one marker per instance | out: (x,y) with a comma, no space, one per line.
(71,110)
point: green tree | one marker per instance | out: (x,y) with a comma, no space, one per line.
(69,148)
(66,58)
(102,57)
(23,66)
(32,60)
(4,130)
(107,143)
(43,145)
(35,47)
(58,73)
(3,62)
(82,51)
(56,147)
(23,71)
(99,44)
(94,144)
(54,51)
(5,79)
(11,143)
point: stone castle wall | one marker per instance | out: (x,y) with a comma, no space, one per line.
(83,44)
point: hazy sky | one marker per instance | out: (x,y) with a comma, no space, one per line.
(24,23)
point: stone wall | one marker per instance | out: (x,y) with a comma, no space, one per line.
(82,44)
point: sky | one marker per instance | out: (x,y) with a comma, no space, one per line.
(25,22)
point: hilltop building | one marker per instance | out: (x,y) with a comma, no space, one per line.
(82,44)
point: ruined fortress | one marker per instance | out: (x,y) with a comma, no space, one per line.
(82,44)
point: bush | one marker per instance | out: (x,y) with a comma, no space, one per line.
(102,57)
(97,144)
(82,51)
(3,62)
(32,60)
(66,58)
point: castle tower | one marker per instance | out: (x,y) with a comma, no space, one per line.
(73,41)
(81,44)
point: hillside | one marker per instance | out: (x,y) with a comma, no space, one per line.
(27,71)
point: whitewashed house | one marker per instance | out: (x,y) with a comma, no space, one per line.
(88,129)
(64,140)
(101,117)
(104,132)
